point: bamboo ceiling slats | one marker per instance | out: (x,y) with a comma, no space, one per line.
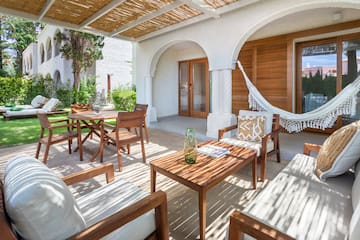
(33,7)
(174,16)
(127,12)
(127,19)
(75,11)
(219,3)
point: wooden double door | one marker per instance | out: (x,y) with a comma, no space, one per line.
(194,88)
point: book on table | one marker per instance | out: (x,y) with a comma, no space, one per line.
(213,151)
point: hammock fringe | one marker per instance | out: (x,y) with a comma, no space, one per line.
(344,103)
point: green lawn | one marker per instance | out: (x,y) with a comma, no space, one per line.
(20,131)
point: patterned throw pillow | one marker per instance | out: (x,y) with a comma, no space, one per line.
(251,128)
(339,152)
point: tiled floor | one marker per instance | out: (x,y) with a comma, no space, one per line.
(234,192)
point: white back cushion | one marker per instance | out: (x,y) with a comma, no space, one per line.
(38,202)
(51,105)
(38,101)
(268,118)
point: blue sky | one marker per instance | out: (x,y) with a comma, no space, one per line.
(322,60)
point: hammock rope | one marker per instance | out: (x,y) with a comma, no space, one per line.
(344,103)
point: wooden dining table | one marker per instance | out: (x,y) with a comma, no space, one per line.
(95,123)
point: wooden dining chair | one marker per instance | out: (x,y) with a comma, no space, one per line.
(76,108)
(123,134)
(143,107)
(53,138)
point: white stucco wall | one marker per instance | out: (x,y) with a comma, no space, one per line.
(117,61)
(55,63)
(30,65)
(165,80)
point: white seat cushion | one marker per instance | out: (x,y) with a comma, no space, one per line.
(252,145)
(111,198)
(298,203)
(38,202)
(355,194)
(268,118)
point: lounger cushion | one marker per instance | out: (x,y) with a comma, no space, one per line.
(51,105)
(246,144)
(251,128)
(339,152)
(268,118)
(298,203)
(25,112)
(38,202)
(354,231)
(112,198)
(38,101)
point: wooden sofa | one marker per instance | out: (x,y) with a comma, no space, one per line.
(117,210)
(298,205)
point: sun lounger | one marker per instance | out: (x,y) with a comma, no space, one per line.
(49,108)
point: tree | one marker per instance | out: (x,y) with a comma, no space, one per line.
(18,34)
(83,49)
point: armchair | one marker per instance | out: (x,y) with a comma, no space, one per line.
(268,144)
(117,210)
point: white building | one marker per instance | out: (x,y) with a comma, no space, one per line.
(44,58)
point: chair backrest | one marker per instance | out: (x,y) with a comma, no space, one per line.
(75,108)
(44,120)
(141,107)
(130,119)
(276,122)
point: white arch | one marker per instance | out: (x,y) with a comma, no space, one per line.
(299,7)
(154,59)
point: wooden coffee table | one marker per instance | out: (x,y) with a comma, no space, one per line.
(205,173)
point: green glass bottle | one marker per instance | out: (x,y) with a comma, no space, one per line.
(190,146)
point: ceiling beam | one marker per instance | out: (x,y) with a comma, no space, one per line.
(107,8)
(202,6)
(45,9)
(147,17)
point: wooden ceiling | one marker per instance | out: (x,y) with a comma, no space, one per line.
(134,20)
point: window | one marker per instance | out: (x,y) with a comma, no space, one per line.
(48,49)
(42,53)
(57,43)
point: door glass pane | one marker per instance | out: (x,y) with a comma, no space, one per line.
(184,86)
(350,71)
(199,91)
(318,75)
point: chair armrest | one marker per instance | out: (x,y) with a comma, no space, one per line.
(308,147)
(241,223)
(107,169)
(58,121)
(222,131)
(155,201)
(63,126)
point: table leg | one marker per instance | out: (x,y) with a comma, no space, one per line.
(254,168)
(152,179)
(102,141)
(78,128)
(202,213)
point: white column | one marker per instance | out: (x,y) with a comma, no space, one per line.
(221,94)
(152,117)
